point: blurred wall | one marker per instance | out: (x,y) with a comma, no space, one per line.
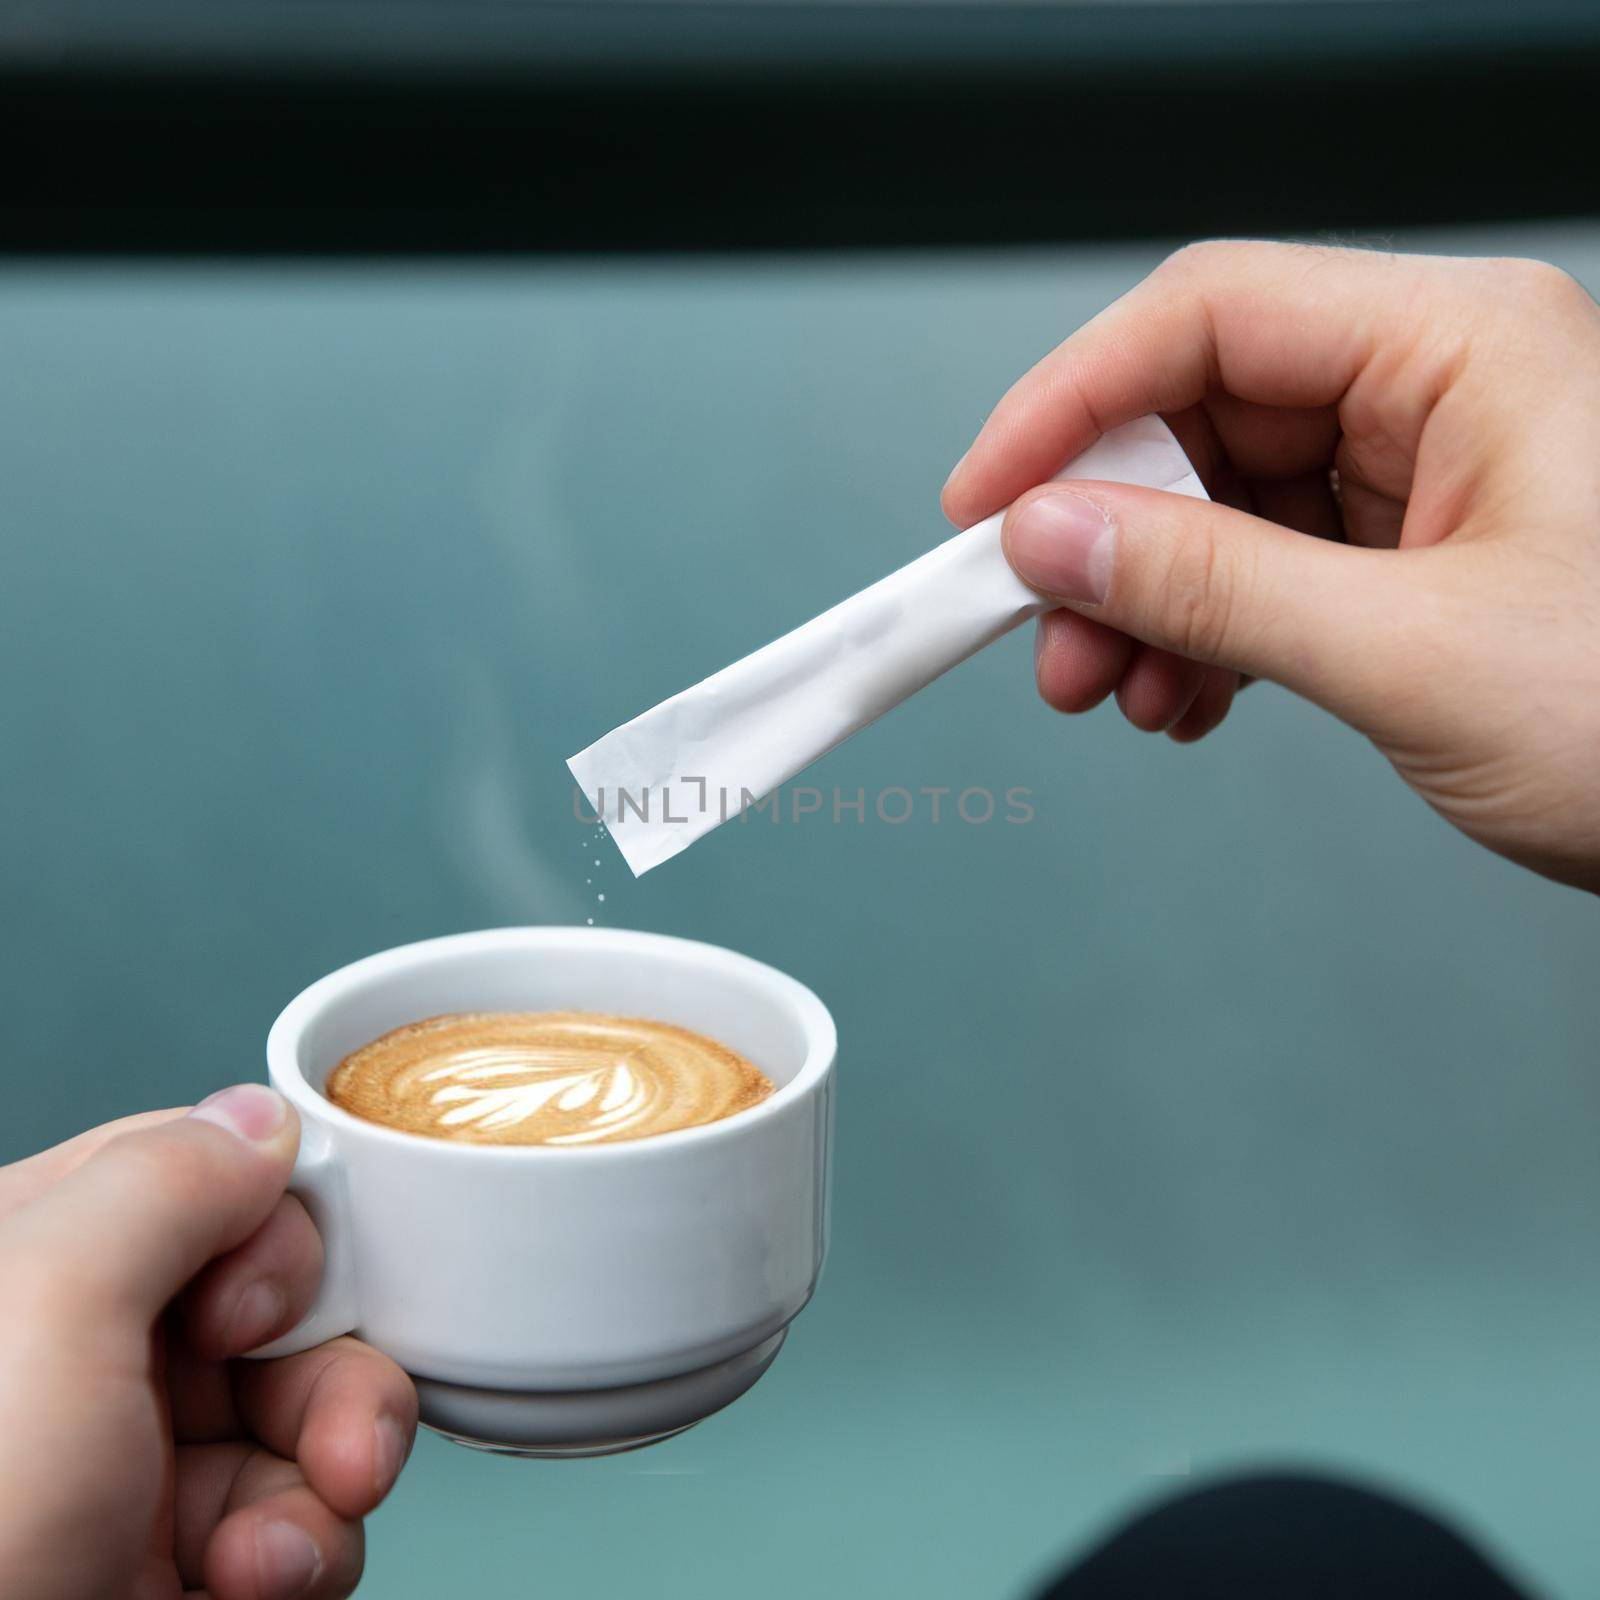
(1231,1110)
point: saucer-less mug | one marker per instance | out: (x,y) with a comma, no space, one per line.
(568,1301)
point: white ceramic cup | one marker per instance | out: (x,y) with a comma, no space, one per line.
(565,1301)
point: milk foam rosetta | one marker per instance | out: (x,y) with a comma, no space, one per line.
(544,1077)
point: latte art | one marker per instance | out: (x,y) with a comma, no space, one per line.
(544,1077)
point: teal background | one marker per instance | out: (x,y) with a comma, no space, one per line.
(1231,1112)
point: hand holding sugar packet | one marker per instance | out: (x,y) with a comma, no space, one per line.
(693,761)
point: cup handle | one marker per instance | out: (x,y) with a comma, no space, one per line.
(318,1182)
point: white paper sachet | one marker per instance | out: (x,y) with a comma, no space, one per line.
(696,760)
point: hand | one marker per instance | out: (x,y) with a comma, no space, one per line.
(136,1458)
(1432,424)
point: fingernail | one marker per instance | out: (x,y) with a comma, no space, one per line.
(249,1111)
(287,1561)
(389,1450)
(956,468)
(257,1311)
(1063,544)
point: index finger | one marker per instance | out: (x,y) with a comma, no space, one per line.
(1274,324)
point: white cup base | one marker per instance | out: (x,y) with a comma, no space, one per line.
(556,1424)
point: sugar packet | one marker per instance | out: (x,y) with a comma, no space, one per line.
(689,764)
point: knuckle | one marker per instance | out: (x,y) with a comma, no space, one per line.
(1194,259)
(1542,282)
(1209,258)
(1199,597)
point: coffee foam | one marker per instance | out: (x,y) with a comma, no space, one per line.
(546,1077)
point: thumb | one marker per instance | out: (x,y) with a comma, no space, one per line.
(123,1232)
(1217,586)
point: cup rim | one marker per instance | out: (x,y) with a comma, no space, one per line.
(287,1032)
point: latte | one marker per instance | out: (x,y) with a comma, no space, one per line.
(544,1077)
